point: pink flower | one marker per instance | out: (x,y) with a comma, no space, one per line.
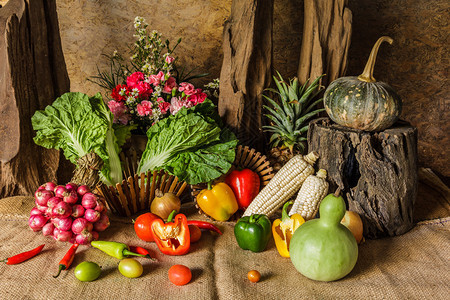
(170,85)
(156,79)
(198,97)
(164,106)
(119,110)
(176,104)
(169,59)
(187,88)
(134,79)
(144,108)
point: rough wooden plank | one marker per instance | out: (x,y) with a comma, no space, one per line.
(376,171)
(326,40)
(246,68)
(29,80)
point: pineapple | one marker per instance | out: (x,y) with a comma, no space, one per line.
(289,117)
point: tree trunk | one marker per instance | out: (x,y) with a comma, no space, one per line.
(326,40)
(377,172)
(246,68)
(32,74)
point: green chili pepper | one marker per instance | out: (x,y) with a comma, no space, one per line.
(115,249)
(253,232)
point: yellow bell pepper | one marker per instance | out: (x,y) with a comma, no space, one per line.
(218,202)
(284,228)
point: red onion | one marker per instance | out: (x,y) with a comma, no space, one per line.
(42,196)
(70,196)
(81,224)
(55,221)
(77,211)
(53,201)
(94,235)
(91,215)
(84,238)
(89,200)
(49,212)
(102,223)
(64,224)
(49,186)
(83,189)
(60,190)
(36,222)
(100,206)
(42,208)
(36,211)
(48,229)
(62,210)
(62,235)
(71,186)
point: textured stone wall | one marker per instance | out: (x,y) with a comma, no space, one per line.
(416,65)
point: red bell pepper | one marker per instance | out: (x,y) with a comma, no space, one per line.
(245,185)
(172,238)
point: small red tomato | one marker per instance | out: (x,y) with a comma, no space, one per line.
(180,275)
(195,233)
(254,276)
(142,226)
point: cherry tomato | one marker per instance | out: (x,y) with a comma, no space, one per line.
(130,268)
(142,226)
(195,232)
(254,276)
(87,271)
(180,274)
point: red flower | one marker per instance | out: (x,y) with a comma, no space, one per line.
(198,97)
(164,107)
(116,92)
(134,79)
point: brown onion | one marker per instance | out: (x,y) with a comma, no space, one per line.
(163,205)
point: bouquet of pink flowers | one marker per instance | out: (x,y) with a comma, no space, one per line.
(152,88)
(144,100)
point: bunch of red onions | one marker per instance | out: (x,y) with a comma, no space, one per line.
(69,213)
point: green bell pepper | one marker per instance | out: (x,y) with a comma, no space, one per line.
(253,232)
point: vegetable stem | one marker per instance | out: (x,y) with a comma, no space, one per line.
(367,74)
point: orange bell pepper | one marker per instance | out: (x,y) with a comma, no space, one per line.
(218,202)
(284,228)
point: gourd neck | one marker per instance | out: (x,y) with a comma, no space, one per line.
(367,74)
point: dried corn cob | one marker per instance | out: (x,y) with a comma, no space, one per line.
(286,182)
(313,190)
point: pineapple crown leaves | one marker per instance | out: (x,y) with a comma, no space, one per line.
(295,108)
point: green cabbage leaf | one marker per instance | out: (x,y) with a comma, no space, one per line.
(192,145)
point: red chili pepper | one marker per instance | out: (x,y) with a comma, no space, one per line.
(67,260)
(141,250)
(204,225)
(245,185)
(18,258)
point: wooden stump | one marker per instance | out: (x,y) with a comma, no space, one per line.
(246,68)
(326,39)
(32,74)
(376,171)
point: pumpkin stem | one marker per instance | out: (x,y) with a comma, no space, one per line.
(367,74)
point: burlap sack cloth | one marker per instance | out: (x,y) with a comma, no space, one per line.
(412,266)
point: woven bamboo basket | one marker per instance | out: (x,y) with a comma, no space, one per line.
(137,191)
(246,157)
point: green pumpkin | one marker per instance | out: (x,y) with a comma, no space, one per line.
(362,102)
